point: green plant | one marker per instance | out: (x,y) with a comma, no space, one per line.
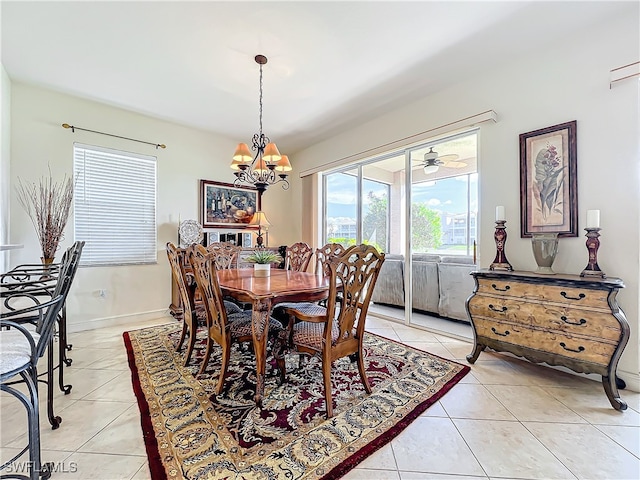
(263,257)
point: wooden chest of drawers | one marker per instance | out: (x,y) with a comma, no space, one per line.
(562,320)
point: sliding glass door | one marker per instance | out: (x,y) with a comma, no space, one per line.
(432,221)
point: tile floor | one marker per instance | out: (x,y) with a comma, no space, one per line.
(507,419)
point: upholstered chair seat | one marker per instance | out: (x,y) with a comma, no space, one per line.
(16,349)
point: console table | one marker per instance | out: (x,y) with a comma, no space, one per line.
(564,320)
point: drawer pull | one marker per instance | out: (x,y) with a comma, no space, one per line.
(495,287)
(579,297)
(499,310)
(580,348)
(506,332)
(565,320)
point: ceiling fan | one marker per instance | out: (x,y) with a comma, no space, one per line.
(432,161)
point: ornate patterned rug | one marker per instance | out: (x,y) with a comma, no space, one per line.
(192,434)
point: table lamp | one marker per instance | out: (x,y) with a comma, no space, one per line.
(260,219)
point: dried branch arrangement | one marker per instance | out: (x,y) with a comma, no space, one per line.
(48,204)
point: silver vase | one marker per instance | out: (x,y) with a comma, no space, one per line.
(545,248)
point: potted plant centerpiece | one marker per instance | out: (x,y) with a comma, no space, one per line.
(262,260)
(48,204)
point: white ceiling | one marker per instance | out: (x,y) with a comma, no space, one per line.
(331,65)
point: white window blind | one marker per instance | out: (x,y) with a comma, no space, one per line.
(115,206)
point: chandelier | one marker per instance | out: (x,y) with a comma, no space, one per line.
(265,167)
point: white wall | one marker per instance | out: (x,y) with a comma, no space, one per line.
(5,132)
(39,141)
(558,83)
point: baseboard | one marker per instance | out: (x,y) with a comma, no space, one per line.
(117,320)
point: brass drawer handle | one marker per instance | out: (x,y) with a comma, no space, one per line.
(499,310)
(579,297)
(495,287)
(580,348)
(506,332)
(566,320)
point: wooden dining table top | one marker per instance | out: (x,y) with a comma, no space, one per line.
(281,283)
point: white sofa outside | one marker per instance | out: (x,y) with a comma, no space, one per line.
(441,284)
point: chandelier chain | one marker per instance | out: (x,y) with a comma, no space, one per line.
(261,100)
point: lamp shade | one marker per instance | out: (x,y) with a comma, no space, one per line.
(259,219)
(271,153)
(242,154)
(261,166)
(234,164)
(283,165)
(428,169)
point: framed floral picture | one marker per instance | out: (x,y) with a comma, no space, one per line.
(224,205)
(548,181)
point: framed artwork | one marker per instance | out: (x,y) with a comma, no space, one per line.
(223,205)
(548,181)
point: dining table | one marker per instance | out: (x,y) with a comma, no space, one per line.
(264,293)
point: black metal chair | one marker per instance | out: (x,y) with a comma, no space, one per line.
(21,286)
(20,349)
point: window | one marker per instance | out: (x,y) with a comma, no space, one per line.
(115,206)
(444,199)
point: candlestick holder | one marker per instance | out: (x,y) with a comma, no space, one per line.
(500,236)
(592,269)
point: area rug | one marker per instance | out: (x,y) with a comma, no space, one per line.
(190,433)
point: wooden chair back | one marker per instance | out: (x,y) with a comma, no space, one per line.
(297,257)
(225,254)
(204,270)
(177,260)
(325,254)
(353,276)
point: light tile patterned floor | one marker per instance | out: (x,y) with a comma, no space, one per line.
(507,419)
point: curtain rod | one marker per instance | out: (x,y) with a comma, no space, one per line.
(73,129)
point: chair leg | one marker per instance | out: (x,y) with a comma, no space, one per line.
(37,471)
(326,375)
(207,354)
(54,420)
(363,372)
(193,330)
(226,353)
(183,335)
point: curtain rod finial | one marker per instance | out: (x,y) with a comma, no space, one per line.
(66,125)
(162,145)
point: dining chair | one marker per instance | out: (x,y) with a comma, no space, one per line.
(324,255)
(20,350)
(337,330)
(191,310)
(27,325)
(225,254)
(226,257)
(177,258)
(297,257)
(37,284)
(223,328)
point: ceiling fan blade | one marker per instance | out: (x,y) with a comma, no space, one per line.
(454,164)
(449,158)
